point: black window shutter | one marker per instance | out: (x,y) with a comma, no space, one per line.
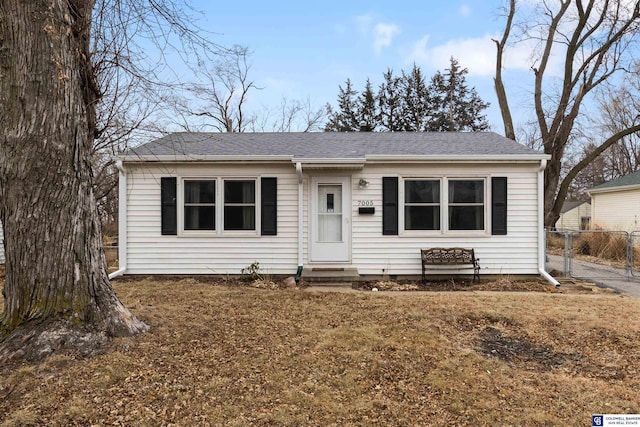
(390,205)
(269,207)
(168,188)
(499,205)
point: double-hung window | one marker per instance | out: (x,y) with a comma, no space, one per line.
(462,204)
(446,204)
(466,204)
(199,204)
(422,204)
(239,204)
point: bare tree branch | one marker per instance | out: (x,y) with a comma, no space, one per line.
(598,41)
(498,83)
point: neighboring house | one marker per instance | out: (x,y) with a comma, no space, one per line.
(214,203)
(575,215)
(615,205)
(1,245)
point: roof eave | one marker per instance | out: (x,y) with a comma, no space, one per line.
(355,161)
(460,158)
(613,189)
(202,158)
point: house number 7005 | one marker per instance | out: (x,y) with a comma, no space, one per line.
(365,202)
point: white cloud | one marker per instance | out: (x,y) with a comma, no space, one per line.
(380,33)
(383,36)
(464,10)
(478,55)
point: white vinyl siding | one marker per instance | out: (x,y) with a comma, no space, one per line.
(616,210)
(371,252)
(148,252)
(514,253)
(571,219)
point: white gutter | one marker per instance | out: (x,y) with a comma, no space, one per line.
(613,189)
(457,157)
(541,236)
(300,216)
(338,161)
(331,160)
(122,221)
(267,158)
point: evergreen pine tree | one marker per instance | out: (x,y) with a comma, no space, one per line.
(416,105)
(406,103)
(390,103)
(455,107)
(368,110)
(347,117)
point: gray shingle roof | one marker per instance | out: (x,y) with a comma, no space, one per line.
(571,204)
(333,145)
(631,179)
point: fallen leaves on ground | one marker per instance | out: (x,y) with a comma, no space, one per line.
(238,355)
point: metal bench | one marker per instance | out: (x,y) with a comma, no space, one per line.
(450,257)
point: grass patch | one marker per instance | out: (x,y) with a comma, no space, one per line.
(555,241)
(602,244)
(237,356)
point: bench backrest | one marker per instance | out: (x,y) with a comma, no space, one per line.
(447,256)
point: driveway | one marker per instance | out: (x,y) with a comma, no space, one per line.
(602,275)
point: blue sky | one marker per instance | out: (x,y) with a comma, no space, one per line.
(306,49)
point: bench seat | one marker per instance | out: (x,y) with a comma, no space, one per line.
(458,258)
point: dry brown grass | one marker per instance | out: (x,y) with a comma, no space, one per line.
(238,356)
(603,245)
(111,255)
(555,241)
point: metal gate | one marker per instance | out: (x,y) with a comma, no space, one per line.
(594,254)
(634,253)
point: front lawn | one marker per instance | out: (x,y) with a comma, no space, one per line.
(238,356)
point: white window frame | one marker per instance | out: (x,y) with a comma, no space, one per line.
(184,205)
(483,204)
(405,204)
(219,207)
(444,206)
(254,204)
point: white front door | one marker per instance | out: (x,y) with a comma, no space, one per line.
(331,219)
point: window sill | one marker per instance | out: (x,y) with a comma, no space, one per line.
(446,234)
(219,234)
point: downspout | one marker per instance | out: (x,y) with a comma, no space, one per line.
(300,222)
(541,235)
(122,221)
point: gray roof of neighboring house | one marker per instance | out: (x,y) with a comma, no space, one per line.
(572,204)
(333,145)
(631,179)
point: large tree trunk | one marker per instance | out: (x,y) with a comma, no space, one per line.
(551,180)
(57,292)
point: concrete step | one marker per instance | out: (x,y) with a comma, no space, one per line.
(330,274)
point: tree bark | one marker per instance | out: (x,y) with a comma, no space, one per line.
(597,38)
(554,211)
(57,292)
(501,94)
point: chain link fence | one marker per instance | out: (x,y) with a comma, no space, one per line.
(634,253)
(593,254)
(110,246)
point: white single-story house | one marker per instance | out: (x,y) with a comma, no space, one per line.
(575,215)
(615,205)
(214,203)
